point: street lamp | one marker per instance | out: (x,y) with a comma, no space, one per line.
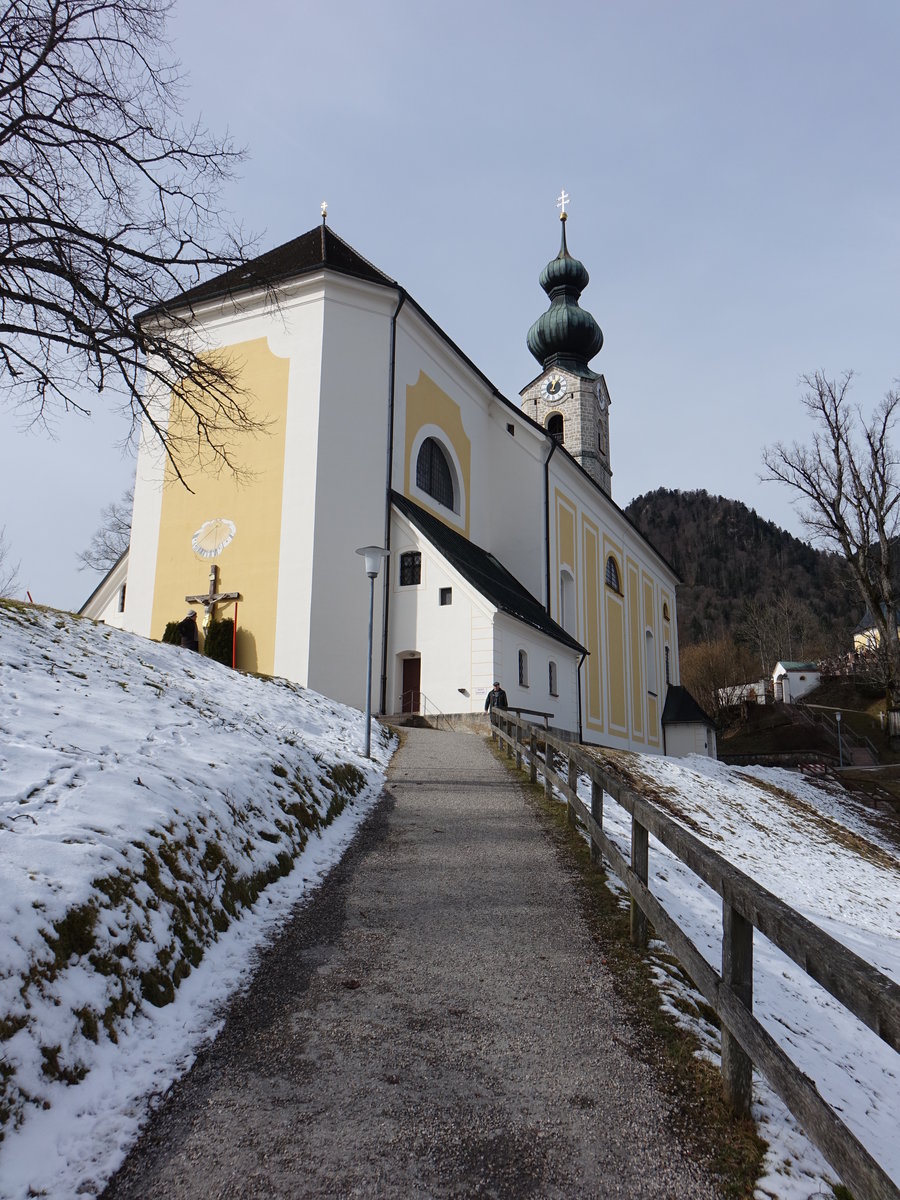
(373,556)
(837,717)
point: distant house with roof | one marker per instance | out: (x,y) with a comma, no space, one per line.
(792,680)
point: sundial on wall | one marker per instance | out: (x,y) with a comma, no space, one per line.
(212,537)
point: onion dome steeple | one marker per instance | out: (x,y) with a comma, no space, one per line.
(566,335)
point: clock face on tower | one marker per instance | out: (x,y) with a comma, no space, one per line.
(554,386)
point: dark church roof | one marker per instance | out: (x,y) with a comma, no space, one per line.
(682,709)
(312,251)
(485,572)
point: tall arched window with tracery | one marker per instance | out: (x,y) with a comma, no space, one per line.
(650,647)
(433,474)
(612,574)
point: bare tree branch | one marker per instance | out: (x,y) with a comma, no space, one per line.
(110,540)
(9,573)
(109,207)
(847,485)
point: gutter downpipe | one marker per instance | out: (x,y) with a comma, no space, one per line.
(389,479)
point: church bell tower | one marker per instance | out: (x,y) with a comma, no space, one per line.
(568,398)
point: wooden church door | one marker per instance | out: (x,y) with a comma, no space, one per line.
(412,678)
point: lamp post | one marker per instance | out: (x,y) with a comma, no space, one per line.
(837,717)
(373,556)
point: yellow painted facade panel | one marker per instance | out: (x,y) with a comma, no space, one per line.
(593,584)
(617,699)
(635,650)
(248,565)
(428,404)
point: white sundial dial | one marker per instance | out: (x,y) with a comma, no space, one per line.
(212,537)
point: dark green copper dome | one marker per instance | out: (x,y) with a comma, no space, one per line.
(566,335)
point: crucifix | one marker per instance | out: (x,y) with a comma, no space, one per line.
(212,597)
(563,200)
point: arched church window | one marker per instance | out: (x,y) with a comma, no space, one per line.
(651,663)
(554,679)
(555,427)
(612,574)
(433,474)
(523,669)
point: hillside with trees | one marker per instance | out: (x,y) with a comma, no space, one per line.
(752,593)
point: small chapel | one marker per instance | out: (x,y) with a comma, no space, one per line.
(506,556)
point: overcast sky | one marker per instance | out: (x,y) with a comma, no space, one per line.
(733,171)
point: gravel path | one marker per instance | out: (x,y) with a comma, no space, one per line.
(436,1022)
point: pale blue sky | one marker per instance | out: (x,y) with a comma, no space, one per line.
(734,175)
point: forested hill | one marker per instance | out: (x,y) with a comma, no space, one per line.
(731,561)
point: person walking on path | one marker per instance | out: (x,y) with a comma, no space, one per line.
(496,698)
(438,1021)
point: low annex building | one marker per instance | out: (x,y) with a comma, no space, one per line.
(508,558)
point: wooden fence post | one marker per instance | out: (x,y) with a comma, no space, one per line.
(532,750)
(548,767)
(509,749)
(640,861)
(737,975)
(597,814)
(518,743)
(573,787)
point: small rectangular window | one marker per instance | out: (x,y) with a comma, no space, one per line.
(511,430)
(446,596)
(554,681)
(410,568)
(122,598)
(523,669)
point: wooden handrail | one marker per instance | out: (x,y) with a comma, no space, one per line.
(862,989)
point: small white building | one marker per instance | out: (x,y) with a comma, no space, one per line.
(792,680)
(686,727)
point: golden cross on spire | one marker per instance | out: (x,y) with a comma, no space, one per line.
(562,202)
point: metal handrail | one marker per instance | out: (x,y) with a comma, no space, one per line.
(424,703)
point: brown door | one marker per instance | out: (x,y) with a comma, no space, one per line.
(412,677)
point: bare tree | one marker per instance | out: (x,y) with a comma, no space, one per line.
(9,574)
(109,206)
(110,540)
(848,485)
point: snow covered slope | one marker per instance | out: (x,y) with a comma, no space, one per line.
(159,814)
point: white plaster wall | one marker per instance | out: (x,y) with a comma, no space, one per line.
(296,333)
(682,740)
(454,641)
(145,517)
(103,604)
(512,636)
(349,506)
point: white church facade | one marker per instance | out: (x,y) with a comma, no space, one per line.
(508,559)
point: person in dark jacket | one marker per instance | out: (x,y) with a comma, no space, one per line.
(496,698)
(188,630)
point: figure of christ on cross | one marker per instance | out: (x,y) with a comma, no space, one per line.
(212,597)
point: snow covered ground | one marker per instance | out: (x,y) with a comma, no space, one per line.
(151,805)
(825,857)
(160,815)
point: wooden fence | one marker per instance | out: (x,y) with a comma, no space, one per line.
(857,985)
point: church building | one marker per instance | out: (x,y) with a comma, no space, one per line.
(508,558)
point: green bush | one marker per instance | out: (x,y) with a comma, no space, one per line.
(219,640)
(172,635)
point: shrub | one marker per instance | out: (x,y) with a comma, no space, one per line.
(172,635)
(219,640)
